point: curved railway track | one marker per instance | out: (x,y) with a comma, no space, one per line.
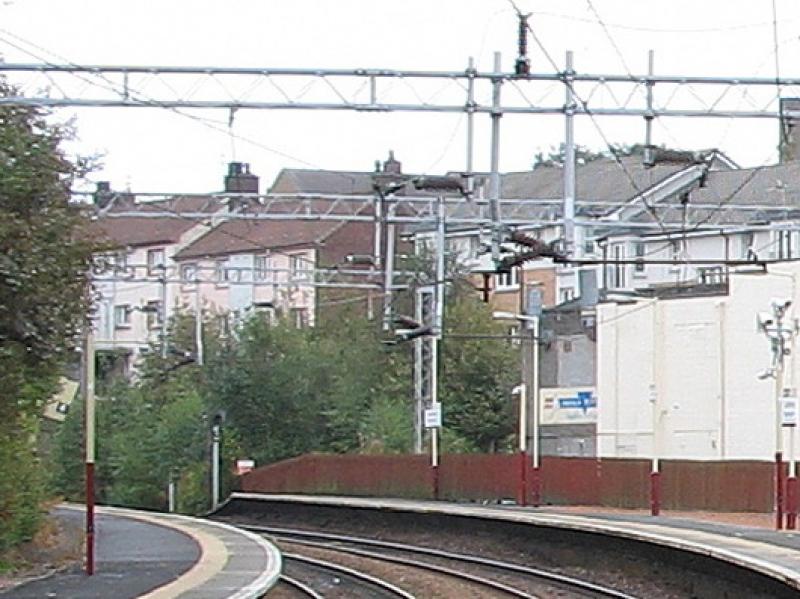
(496,577)
(322,573)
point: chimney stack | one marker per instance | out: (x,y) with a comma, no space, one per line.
(239,179)
(392,166)
(102,194)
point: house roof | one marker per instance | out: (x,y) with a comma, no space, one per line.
(775,189)
(183,203)
(139,231)
(142,230)
(248,236)
(600,180)
(317,181)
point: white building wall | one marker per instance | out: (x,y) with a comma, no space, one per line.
(687,369)
(286,283)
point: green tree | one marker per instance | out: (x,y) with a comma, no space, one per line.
(44,264)
(477,375)
(555,157)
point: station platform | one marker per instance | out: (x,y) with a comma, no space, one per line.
(160,556)
(775,554)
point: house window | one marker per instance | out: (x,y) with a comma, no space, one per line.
(617,271)
(298,265)
(675,254)
(785,247)
(473,247)
(263,268)
(747,245)
(567,293)
(155,262)
(639,253)
(189,274)
(122,316)
(220,273)
(224,325)
(154,314)
(507,279)
(300,317)
(119,263)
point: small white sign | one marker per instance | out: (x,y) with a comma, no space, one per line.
(789,411)
(433,416)
(244,466)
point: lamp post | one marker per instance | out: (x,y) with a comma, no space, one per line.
(88,381)
(522,491)
(531,375)
(216,434)
(780,337)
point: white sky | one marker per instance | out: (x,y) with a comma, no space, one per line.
(158,150)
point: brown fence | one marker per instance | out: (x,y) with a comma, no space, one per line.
(686,485)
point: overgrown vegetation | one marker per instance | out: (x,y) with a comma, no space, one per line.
(43,269)
(285,392)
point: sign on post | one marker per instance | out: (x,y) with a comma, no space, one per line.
(433,416)
(789,407)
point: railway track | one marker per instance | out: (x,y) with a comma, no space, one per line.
(316,578)
(486,577)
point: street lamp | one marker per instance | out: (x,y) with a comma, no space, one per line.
(529,392)
(781,337)
(216,434)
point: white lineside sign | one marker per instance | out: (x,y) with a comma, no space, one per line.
(568,405)
(244,466)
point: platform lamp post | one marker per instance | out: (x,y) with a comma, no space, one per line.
(531,394)
(780,337)
(216,436)
(88,382)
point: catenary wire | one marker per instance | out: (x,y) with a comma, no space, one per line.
(614,153)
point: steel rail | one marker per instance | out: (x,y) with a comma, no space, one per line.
(350,572)
(558,579)
(300,586)
(479,580)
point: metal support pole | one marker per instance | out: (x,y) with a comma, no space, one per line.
(198,325)
(88,377)
(494,177)
(434,401)
(791,485)
(779,474)
(522,490)
(470,123)
(163,311)
(649,154)
(536,482)
(171,494)
(388,281)
(215,436)
(571,246)
(655,469)
(441,249)
(438,323)
(378,233)
(419,391)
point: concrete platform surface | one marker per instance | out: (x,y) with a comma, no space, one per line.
(773,553)
(160,556)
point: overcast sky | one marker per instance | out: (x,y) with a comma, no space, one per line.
(157,150)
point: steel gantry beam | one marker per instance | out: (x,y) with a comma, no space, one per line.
(386,90)
(412,210)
